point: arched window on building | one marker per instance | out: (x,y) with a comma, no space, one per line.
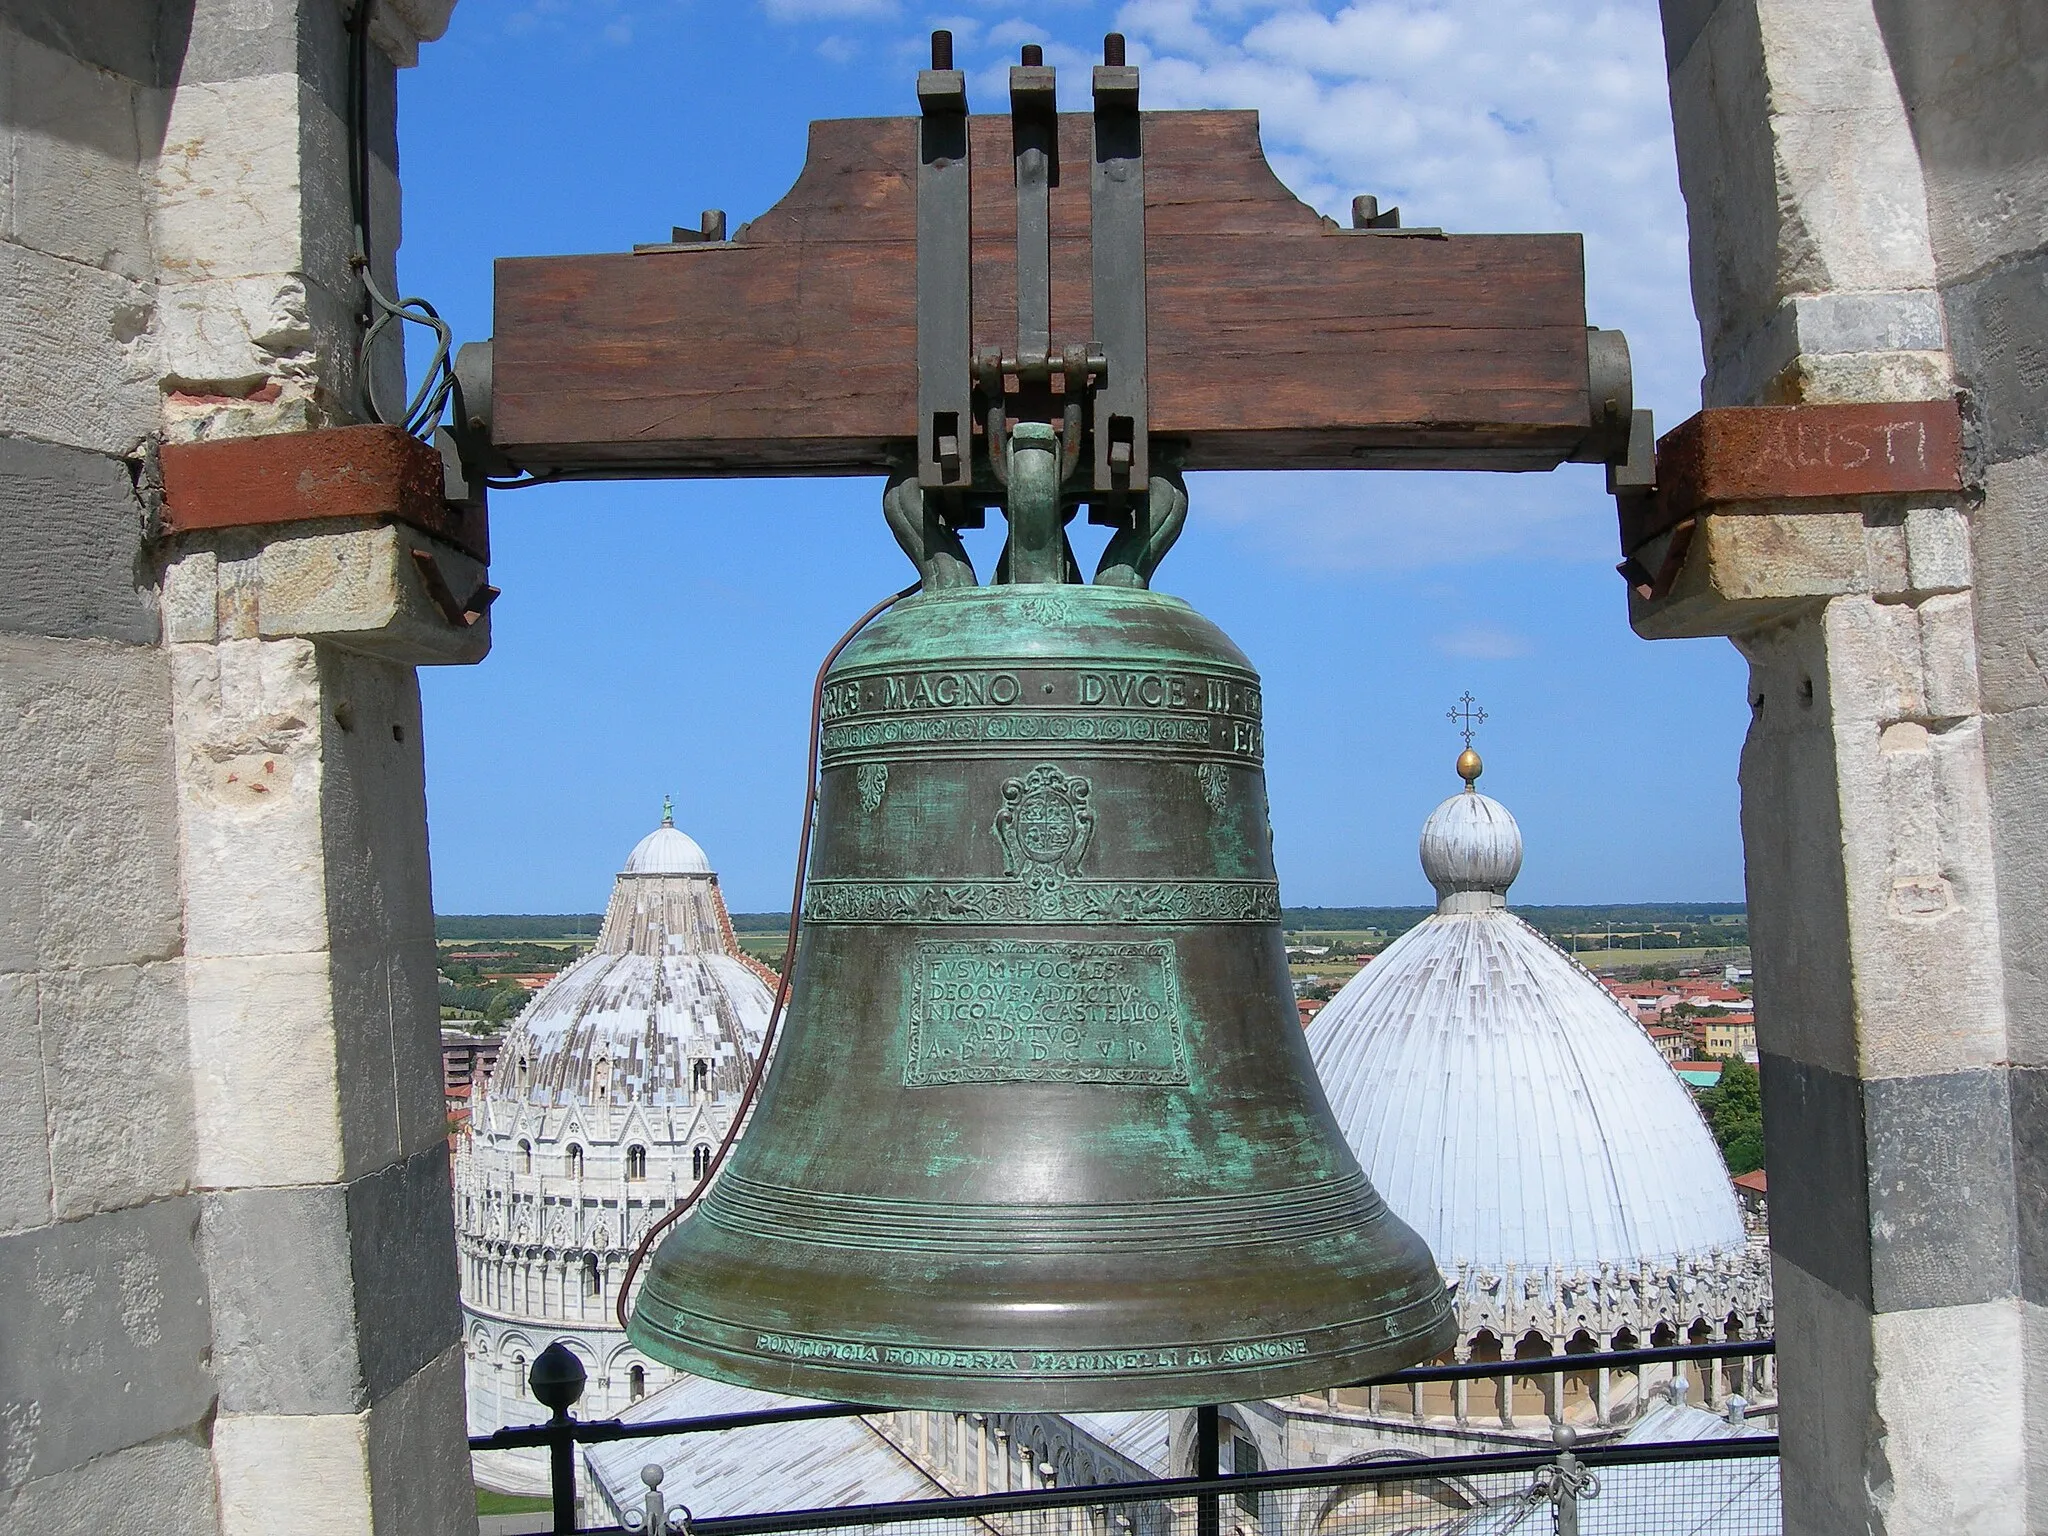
(636,1162)
(526,1157)
(636,1383)
(519,1373)
(700,1077)
(573,1161)
(700,1161)
(593,1284)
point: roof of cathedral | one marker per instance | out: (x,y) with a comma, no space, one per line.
(664,988)
(1501,1101)
(808,1464)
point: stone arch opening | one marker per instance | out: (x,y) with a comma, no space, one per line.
(572,1161)
(636,1162)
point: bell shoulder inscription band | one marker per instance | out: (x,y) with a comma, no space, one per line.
(1042,1131)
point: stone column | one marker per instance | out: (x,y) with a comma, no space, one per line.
(311,980)
(224,1236)
(1853,176)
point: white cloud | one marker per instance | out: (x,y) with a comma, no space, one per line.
(1483,642)
(838,50)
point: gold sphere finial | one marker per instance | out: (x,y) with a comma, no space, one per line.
(1466,714)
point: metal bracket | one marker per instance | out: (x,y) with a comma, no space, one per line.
(1035,137)
(945,277)
(1116,202)
(1084,391)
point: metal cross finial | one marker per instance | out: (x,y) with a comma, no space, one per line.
(1466,714)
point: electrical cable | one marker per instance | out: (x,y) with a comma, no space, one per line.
(423,410)
(796,907)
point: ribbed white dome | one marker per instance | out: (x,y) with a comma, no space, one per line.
(665,851)
(665,988)
(1506,1107)
(1470,844)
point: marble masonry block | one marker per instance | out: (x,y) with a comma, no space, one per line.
(401,1230)
(278,333)
(79,367)
(1951,1416)
(1792,832)
(2009,547)
(1819,348)
(1916,848)
(1948,656)
(249,790)
(2028,1087)
(1937,549)
(24,1135)
(137,39)
(169,1478)
(1745,569)
(380,892)
(1847,167)
(118,1084)
(1820,1200)
(421,1478)
(293,1474)
(116,1298)
(262,1032)
(72,562)
(1942,1198)
(88,838)
(363,589)
(74,189)
(189,599)
(388,1048)
(1999,322)
(285,1323)
(230,188)
(2016,757)
(1826,1362)
(1970,71)
(1726,170)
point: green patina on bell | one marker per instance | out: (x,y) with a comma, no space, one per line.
(1042,1131)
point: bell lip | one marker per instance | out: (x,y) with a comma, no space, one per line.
(884,1391)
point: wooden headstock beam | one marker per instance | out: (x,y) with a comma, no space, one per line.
(1277,340)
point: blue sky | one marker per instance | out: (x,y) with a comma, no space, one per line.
(660,637)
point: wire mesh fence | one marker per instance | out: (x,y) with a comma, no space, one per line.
(1687,1488)
(1674,1470)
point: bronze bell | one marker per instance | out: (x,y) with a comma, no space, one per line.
(1042,1130)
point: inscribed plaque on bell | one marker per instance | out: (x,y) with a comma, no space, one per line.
(1044,1011)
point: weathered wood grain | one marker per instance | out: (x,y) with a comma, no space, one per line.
(1277,341)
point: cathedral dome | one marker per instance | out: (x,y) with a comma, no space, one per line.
(665,851)
(1502,1102)
(665,1007)
(1472,847)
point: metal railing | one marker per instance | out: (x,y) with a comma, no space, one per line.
(1558,1488)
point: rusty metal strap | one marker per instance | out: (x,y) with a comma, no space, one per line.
(295,477)
(1757,458)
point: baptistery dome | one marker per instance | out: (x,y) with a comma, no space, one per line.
(1520,1120)
(611,1095)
